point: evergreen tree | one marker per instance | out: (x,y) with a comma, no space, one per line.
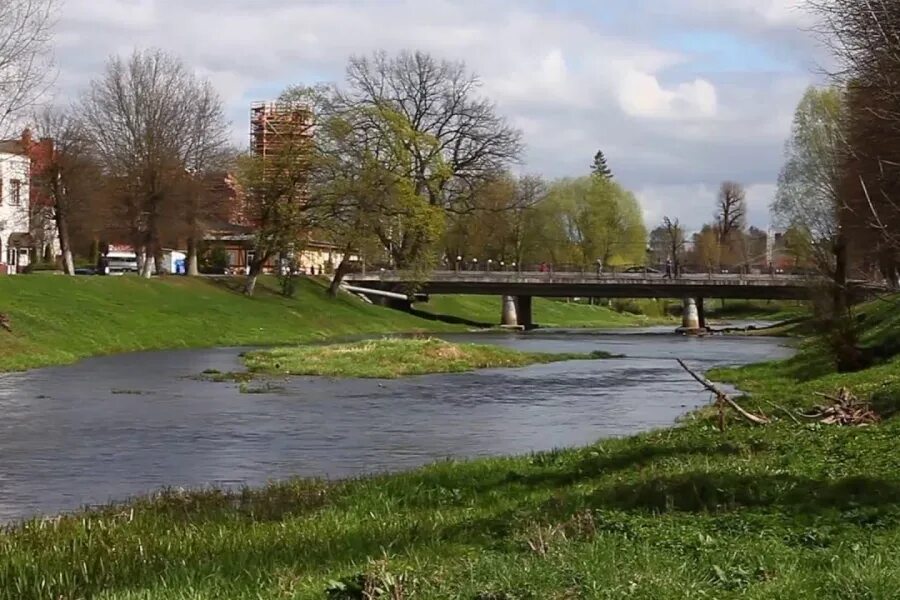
(599,168)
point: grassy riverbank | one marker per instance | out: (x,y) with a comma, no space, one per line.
(58,320)
(547,312)
(782,511)
(392,358)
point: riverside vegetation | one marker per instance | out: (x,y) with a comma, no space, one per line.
(782,511)
(391,358)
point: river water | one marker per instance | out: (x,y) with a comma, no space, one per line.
(114,427)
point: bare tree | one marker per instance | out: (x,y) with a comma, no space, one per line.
(440,99)
(154,125)
(69,181)
(25,55)
(731,209)
(864,36)
(674,240)
(458,141)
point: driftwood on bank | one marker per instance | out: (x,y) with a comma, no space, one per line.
(845,409)
(722,399)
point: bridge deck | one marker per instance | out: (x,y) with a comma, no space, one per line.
(613,285)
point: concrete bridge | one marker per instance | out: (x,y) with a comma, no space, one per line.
(518,288)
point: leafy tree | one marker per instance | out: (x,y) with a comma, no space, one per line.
(809,186)
(706,250)
(363,186)
(498,227)
(599,220)
(599,168)
(276,201)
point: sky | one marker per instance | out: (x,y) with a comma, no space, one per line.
(679,94)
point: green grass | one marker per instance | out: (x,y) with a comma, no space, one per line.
(58,319)
(782,511)
(547,312)
(764,310)
(392,358)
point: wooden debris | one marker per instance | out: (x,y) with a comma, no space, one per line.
(722,399)
(845,409)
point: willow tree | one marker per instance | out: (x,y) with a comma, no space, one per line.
(600,220)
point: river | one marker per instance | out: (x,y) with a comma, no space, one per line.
(115,427)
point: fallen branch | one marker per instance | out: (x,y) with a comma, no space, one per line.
(723,397)
(785,411)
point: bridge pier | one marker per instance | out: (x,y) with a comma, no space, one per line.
(524,312)
(690,318)
(508,313)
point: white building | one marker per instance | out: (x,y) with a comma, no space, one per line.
(15,228)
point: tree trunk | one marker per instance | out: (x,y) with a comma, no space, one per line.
(342,269)
(192,267)
(62,230)
(158,259)
(252,276)
(147,267)
(839,292)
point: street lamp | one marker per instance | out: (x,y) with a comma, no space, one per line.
(474,264)
(489,263)
(458,260)
(514,266)
(502,265)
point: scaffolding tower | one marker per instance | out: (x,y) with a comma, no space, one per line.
(275,126)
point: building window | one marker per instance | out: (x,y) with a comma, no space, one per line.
(15,192)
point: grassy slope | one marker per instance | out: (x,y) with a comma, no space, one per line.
(783,511)
(547,312)
(58,319)
(392,358)
(756,310)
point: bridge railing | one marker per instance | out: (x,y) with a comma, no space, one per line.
(683,271)
(585,278)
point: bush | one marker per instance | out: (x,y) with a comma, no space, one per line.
(214,260)
(41,266)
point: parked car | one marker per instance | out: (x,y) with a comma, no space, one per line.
(118,263)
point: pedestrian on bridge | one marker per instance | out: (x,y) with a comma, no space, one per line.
(599,267)
(668,268)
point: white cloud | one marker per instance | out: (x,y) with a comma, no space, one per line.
(641,95)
